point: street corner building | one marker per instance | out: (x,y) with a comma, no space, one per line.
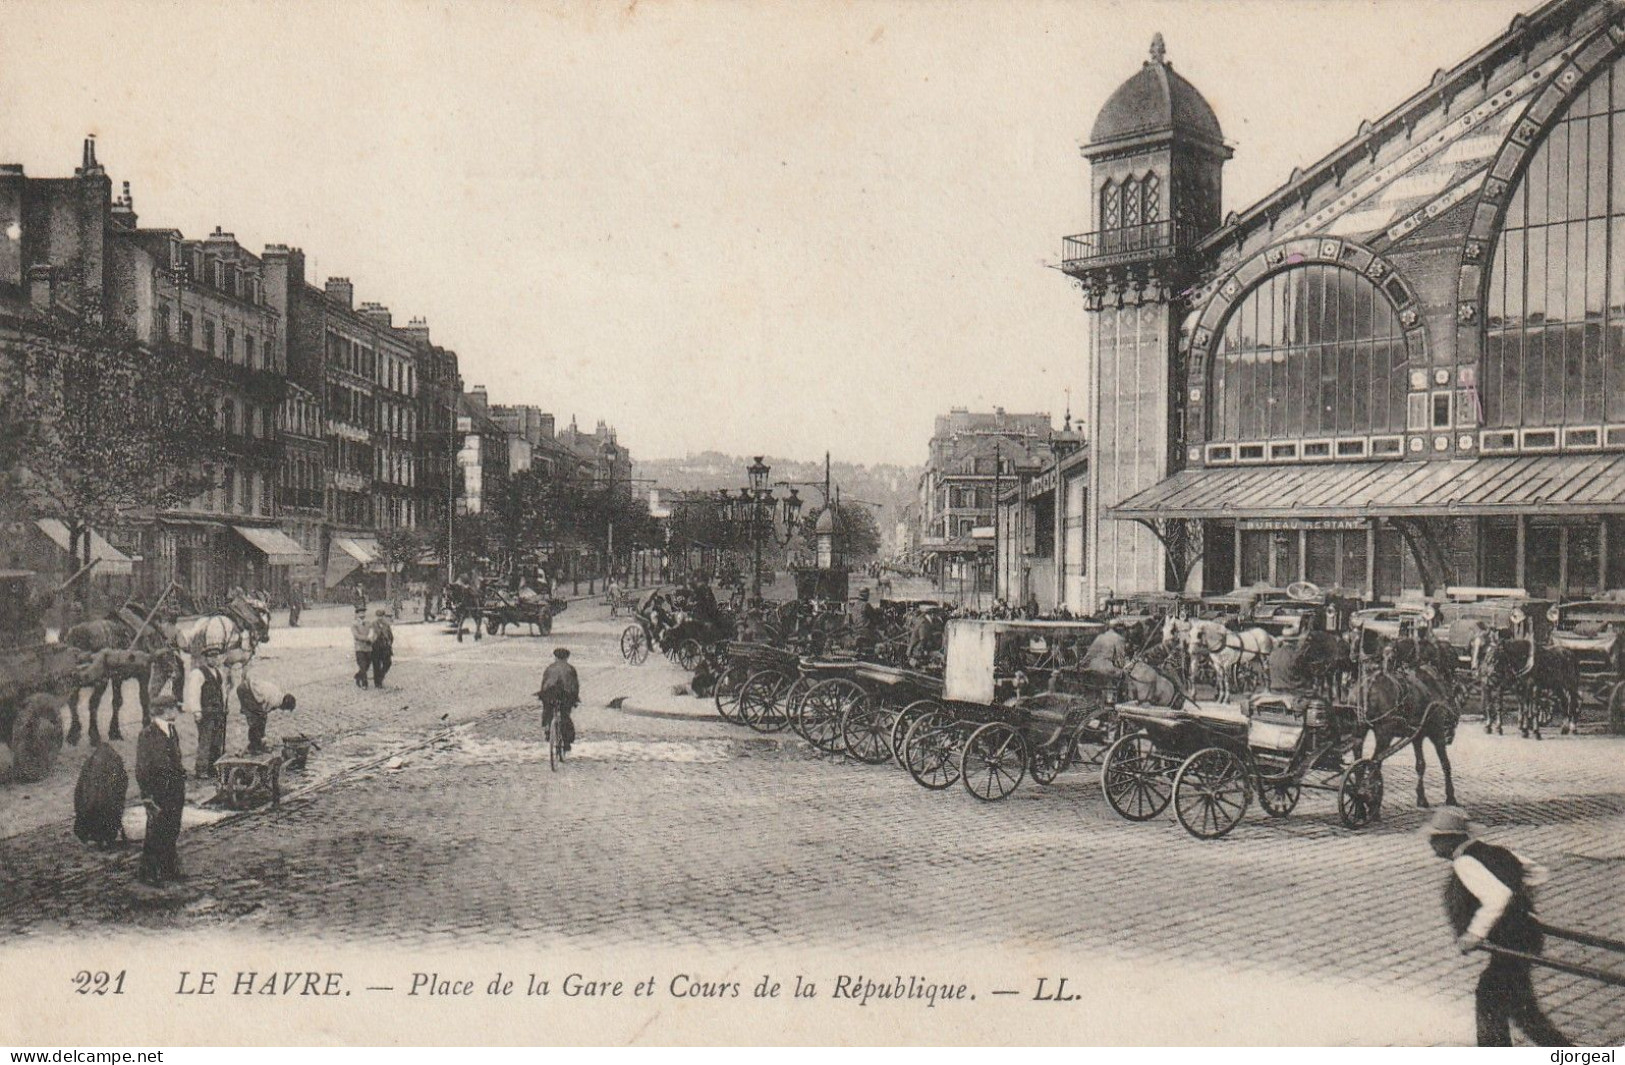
(1403,370)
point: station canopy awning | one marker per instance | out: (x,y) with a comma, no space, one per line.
(110,561)
(1544,484)
(278,547)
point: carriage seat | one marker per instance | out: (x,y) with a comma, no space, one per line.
(1225,713)
(1288,708)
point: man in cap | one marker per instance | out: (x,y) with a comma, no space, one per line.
(205,699)
(361,631)
(1490,898)
(382,654)
(161,776)
(257,697)
(560,692)
(1107,655)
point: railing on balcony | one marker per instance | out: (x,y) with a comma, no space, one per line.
(1130,244)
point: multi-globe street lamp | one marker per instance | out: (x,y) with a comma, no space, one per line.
(757,510)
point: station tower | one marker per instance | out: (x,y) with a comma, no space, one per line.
(1155,155)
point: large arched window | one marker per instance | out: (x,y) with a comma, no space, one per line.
(1554,351)
(1315,351)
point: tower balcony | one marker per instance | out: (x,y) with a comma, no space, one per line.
(1126,246)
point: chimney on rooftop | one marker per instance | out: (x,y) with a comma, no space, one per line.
(376,313)
(88,164)
(418,329)
(124,208)
(340,290)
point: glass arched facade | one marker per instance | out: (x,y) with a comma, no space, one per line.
(1314,351)
(1554,346)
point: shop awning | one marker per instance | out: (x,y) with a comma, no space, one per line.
(1544,484)
(110,561)
(278,547)
(346,554)
(964,545)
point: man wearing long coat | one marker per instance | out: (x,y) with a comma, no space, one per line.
(161,776)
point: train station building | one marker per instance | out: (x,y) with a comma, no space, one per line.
(1403,370)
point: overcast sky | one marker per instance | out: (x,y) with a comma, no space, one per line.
(757,227)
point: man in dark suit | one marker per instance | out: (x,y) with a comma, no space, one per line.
(1490,898)
(161,776)
(561,692)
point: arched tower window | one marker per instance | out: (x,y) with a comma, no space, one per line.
(1131,203)
(1554,311)
(1111,216)
(1312,351)
(1150,199)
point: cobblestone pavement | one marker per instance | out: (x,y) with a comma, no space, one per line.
(669,827)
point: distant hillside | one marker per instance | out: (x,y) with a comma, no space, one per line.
(891,486)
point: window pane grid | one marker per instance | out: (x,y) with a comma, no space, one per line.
(1554,351)
(1314,351)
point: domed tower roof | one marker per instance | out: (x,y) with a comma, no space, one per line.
(1156,100)
(826,521)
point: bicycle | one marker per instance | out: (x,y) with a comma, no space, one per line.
(555,735)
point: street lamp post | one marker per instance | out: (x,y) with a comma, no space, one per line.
(754,507)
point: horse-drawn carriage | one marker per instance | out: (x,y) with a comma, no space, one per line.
(1209,759)
(1013,702)
(1590,632)
(501,608)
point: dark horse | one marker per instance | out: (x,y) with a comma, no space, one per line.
(113,661)
(1401,706)
(1553,675)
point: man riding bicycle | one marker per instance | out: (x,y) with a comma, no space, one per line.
(560,693)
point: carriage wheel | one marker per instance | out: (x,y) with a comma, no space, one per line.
(931,750)
(1051,760)
(1211,792)
(819,713)
(1546,707)
(994,761)
(690,654)
(866,730)
(760,698)
(726,695)
(634,645)
(899,728)
(1359,797)
(1278,797)
(1134,777)
(792,702)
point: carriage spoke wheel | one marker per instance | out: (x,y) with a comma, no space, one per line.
(820,712)
(1359,797)
(994,761)
(931,750)
(1211,792)
(759,698)
(906,717)
(1134,777)
(1278,797)
(634,645)
(689,654)
(726,695)
(1051,760)
(866,729)
(792,702)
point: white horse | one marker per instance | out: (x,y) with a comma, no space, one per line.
(1227,649)
(236,632)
